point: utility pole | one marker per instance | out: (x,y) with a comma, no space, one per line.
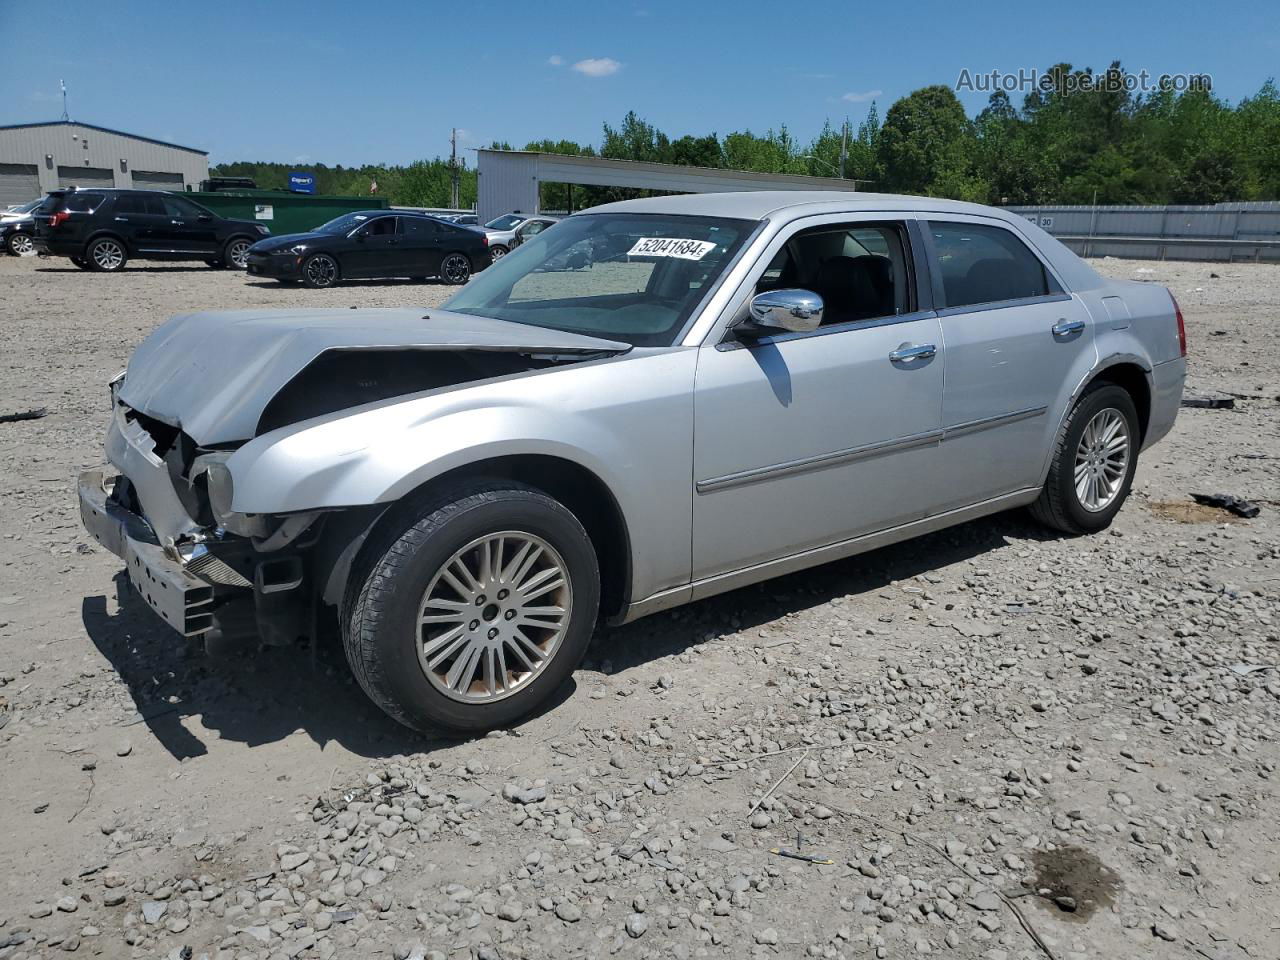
(844,145)
(453,168)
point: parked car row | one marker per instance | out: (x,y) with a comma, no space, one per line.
(103,229)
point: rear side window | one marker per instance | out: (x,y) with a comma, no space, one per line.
(417,226)
(83,202)
(984,264)
(138,204)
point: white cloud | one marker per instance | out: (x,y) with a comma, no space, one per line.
(555,60)
(862,97)
(598,66)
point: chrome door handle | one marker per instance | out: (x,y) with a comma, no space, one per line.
(907,352)
(122,219)
(178,223)
(1064,327)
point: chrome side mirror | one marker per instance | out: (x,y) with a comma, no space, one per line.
(795,311)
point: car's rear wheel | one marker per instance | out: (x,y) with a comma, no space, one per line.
(498,251)
(106,255)
(21,244)
(455,269)
(236,253)
(1093,462)
(319,270)
(474,609)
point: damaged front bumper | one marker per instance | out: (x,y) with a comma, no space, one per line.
(180,599)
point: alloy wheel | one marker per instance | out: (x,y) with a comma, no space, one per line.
(21,244)
(455,268)
(497,253)
(238,253)
(108,255)
(321,271)
(1102,460)
(493,616)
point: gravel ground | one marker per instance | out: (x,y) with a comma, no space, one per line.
(1008,744)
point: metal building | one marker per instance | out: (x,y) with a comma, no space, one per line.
(38,157)
(508,179)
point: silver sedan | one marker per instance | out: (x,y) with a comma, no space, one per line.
(651,403)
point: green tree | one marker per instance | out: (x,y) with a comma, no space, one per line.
(926,146)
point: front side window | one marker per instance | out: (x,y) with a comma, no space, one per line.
(624,276)
(985,264)
(860,270)
(381,227)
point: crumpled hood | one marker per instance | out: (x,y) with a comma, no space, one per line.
(212,374)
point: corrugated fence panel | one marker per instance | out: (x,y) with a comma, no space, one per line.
(1224,231)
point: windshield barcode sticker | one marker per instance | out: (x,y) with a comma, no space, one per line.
(671,247)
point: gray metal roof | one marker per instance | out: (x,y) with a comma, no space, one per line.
(761,204)
(90,126)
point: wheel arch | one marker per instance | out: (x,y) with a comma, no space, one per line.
(106,232)
(1135,379)
(579,489)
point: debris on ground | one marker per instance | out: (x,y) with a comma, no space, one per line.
(24,415)
(1225,501)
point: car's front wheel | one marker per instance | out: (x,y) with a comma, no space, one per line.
(455,269)
(20,244)
(474,609)
(106,255)
(236,253)
(319,270)
(1093,462)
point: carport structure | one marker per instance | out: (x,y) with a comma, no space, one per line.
(509,179)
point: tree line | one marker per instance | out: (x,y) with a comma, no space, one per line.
(1068,141)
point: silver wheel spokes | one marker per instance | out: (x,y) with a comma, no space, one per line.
(1102,460)
(493,616)
(108,255)
(240,253)
(321,271)
(22,243)
(455,268)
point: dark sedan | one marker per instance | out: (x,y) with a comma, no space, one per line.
(18,228)
(372,244)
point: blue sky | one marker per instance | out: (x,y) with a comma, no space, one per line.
(374,82)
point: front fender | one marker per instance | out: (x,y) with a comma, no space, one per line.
(374,457)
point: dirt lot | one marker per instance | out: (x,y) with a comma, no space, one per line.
(1009,744)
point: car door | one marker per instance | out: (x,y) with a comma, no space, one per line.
(806,440)
(375,251)
(141,220)
(1012,336)
(420,246)
(191,229)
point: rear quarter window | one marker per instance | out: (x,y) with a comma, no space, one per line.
(83,202)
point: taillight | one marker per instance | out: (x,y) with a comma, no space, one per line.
(61,216)
(486,238)
(1182,326)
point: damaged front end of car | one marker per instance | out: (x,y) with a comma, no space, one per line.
(189,403)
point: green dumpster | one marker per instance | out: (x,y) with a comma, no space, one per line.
(283,212)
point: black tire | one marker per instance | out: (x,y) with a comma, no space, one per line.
(80,262)
(319,271)
(381,629)
(498,251)
(20,244)
(1060,506)
(236,252)
(106,255)
(455,268)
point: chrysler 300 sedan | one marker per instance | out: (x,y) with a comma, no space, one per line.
(727,388)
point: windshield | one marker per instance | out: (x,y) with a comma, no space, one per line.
(343,224)
(505,222)
(625,276)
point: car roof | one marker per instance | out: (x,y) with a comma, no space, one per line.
(763,204)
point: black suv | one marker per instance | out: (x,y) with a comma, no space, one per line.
(103,229)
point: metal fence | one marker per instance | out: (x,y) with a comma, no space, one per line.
(1221,232)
